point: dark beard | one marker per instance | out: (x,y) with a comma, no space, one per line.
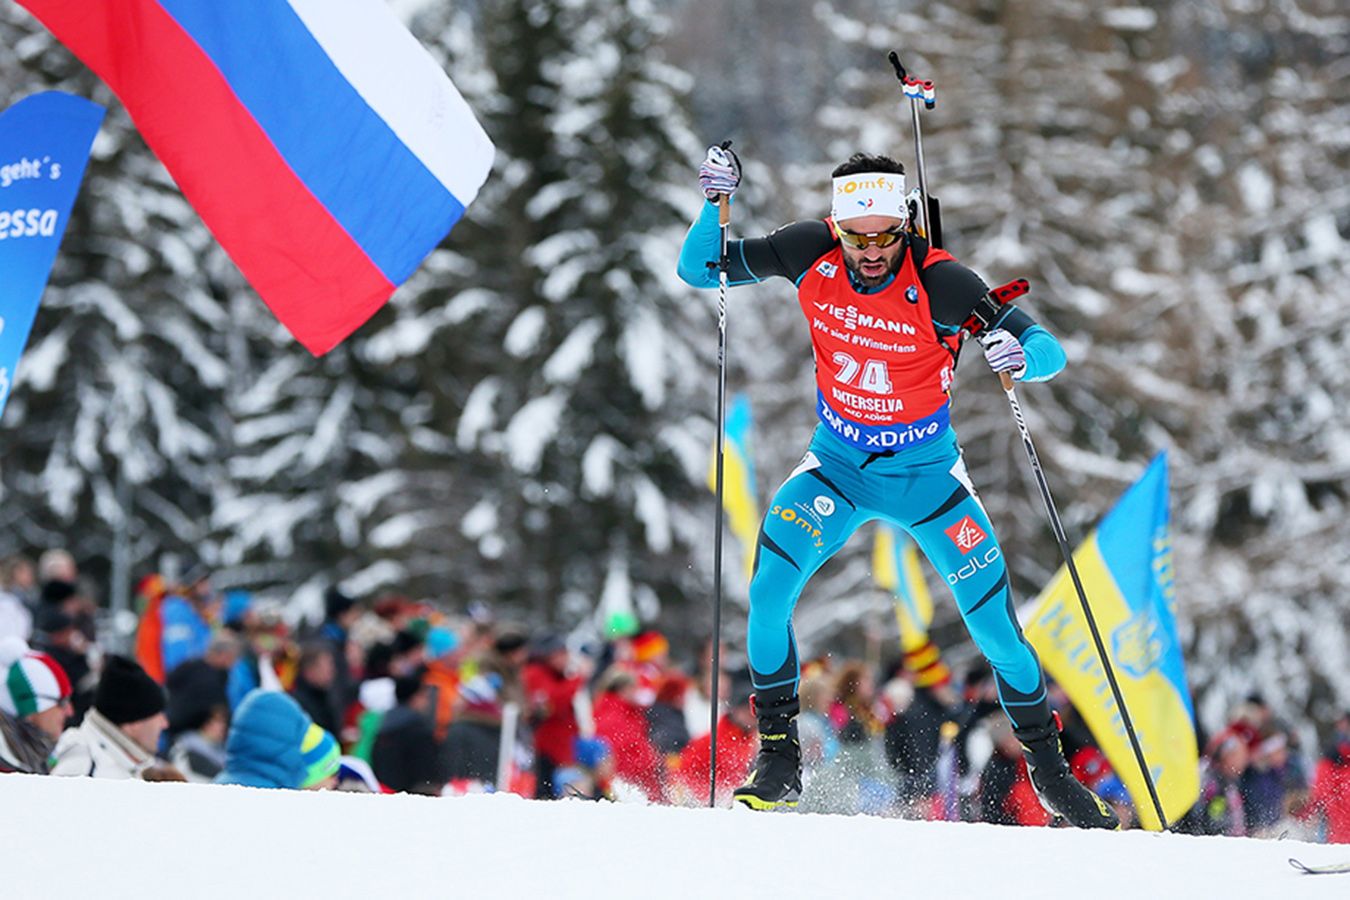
(878,280)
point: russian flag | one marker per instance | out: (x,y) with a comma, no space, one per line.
(320,143)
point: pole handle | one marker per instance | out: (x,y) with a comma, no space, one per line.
(899,69)
(723,210)
(1006,380)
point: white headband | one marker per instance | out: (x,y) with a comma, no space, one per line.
(869,194)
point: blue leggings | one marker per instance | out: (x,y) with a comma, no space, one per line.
(924,490)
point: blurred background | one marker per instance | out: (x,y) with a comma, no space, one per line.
(528,423)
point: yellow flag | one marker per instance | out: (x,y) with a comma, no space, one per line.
(1126,571)
(738,480)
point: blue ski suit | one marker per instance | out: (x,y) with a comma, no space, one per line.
(849,477)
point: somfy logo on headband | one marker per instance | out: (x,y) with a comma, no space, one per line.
(869,193)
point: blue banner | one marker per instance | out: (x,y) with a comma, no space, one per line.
(44,145)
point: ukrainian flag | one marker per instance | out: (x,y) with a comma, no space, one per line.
(895,566)
(1126,570)
(738,480)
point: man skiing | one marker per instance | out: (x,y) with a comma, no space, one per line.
(885,313)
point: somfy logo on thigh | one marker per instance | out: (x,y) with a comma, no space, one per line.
(824,505)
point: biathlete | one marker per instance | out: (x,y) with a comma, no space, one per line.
(885,311)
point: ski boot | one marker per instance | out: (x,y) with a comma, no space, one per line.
(776,781)
(1062,795)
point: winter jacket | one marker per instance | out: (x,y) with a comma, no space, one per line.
(736,749)
(548,697)
(1331,792)
(263,748)
(184,635)
(624,724)
(405,757)
(23,746)
(99,749)
(200,760)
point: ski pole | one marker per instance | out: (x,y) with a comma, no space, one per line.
(1064,549)
(723,262)
(915,90)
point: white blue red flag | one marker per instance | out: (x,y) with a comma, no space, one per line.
(318,140)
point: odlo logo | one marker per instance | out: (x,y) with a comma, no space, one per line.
(966,535)
(976,564)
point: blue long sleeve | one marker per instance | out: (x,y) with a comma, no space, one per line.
(1045,357)
(702,245)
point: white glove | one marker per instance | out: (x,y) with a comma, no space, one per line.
(720,173)
(1004,353)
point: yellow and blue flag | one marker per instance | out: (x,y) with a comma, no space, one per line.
(895,567)
(738,479)
(1126,569)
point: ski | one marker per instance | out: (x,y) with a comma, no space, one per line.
(1329,869)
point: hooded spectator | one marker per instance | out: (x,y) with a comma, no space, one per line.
(405,753)
(120,735)
(34,705)
(622,721)
(264,745)
(314,685)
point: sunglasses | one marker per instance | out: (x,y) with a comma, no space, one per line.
(863,241)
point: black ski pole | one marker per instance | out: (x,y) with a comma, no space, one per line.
(724,223)
(1067,553)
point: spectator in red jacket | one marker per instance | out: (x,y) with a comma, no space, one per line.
(622,721)
(1331,789)
(737,744)
(550,690)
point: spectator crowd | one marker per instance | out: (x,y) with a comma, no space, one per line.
(397,695)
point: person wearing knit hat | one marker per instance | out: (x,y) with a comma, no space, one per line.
(265,748)
(320,753)
(34,705)
(119,736)
(925,665)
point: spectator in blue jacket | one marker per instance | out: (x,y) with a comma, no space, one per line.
(264,748)
(186,618)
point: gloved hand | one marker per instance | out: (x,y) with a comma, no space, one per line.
(1004,352)
(720,173)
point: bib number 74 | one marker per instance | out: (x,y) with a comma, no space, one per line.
(871,375)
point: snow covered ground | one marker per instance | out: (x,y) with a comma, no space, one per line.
(81,838)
